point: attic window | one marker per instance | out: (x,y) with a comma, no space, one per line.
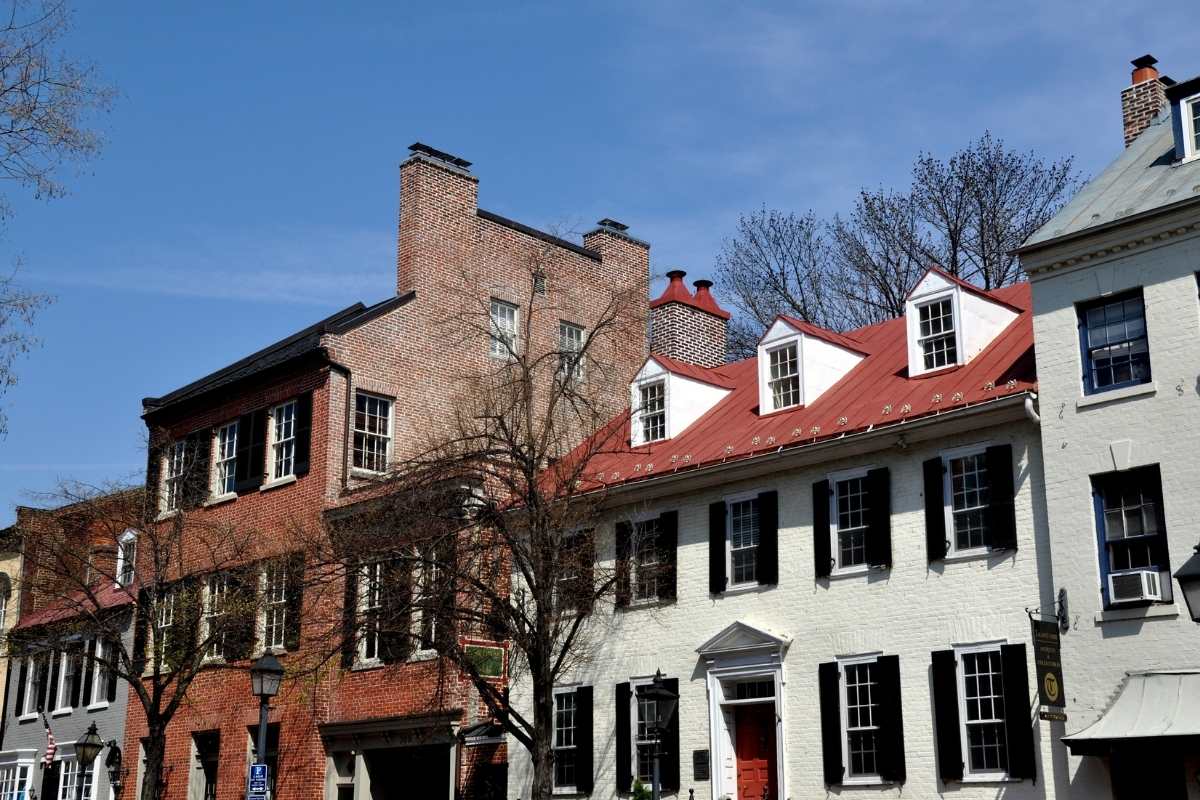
(653,411)
(1191,124)
(785,376)
(937,335)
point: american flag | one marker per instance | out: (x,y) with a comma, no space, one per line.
(51,745)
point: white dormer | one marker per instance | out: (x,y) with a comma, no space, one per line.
(798,362)
(950,322)
(664,401)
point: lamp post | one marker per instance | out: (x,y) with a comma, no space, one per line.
(664,708)
(87,747)
(265,676)
(1189,583)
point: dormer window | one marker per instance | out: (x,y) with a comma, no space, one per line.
(785,376)
(937,338)
(653,411)
(1191,123)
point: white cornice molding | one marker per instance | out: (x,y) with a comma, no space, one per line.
(1112,243)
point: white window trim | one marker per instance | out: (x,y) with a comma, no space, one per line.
(29,710)
(62,689)
(360,659)
(578,373)
(418,620)
(767,394)
(391,438)
(99,698)
(843,662)
(634,521)
(570,689)
(17,760)
(495,333)
(288,477)
(215,494)
(66,755)
(740,497)
(636,433)
(960,650)
(837,570)
(634,683)
(165,477)
(129,535)
(913,312)
(1190,153)
(260,618)
(952,551)
(204,617)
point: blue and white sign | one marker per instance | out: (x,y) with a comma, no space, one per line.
(256,785)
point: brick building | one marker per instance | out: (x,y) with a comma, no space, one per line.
(266,448)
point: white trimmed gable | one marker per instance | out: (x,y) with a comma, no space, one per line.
(686,400)
(977,320)
(740,637)
(820,364)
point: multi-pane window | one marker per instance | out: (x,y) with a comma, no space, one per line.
(969,494)
(175,474)
(503,342)
(564,740)
(851,507)
(936,336)
(646,558)
(283,440)
(785,376)
(104,651)
(570,351)
(126,558)
(647,713)
(163,621)
(14,782)
(68,782)
(1192,110)
(983,703)
(68,668)
(36,671)
(216,596)
(372,432)
(370,607)
(225,474)
(652,411)
(1131,520)
(862,726)
(743,541)
(1116,351)
(274,602)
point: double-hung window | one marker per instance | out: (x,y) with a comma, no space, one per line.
(126,558)
(743,541)
(1116,352)
(1135,564)
(14,781)
(283,440)
(70,674)
(103,652)
(784,380)
(981,689)
(969,491)
(565,721)
(652,411)
(860,718)
(274,604)
(225,471)
(503,340)
(370,607)
(1190,114)
(646,560)
(936,335)
(216,595)
(372,432)
(175,473)
(163,620)
(851,504)
(644,738)
(570,352)
(71,776)
(37,670)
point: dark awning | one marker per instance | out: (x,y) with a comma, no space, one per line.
(1161,707)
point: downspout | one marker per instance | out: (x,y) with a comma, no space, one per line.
(342,368)
(1029,411)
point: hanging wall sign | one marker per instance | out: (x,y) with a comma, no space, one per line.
(1047,659)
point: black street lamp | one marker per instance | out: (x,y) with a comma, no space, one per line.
(664,708)
(265,676)
(1189,583)
(87,747)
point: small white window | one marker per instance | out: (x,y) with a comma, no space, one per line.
(126,558)
(652,411)
(68,668)
(225,464)
(14,781)
(743,542)
(1190,109)
(936,337)
(860,718)
(564,740)
(68,782)
(274,605)
(175,463)
(981,711)
(372,432)
(216,593)
(968,492)
(850,506)
(370,609)
(100,668)
(503,343)
(283,440)
(34,666)
(784,379)
(570,351)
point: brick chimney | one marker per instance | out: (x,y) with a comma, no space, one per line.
(686,326)
(439,200)
(1144,98)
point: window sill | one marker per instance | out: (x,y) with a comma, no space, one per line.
(872,781)
(365,664)
(166,515)
(1112,395)
(1156,611)
(286,480)
(740,588)
(220,499)
(849,572)
(976,779)
(103,704)
(366,474)
(974,554)
(650,602)
(30,717)
(60,712)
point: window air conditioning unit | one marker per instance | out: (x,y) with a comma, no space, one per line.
(1134,587)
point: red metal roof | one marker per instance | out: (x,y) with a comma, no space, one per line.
(676,292)
(78,603)
(876,392)
(717,376)
(967,285)
(817,332)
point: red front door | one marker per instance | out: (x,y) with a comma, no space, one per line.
(754,735)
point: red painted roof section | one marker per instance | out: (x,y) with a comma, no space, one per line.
(817,332)
(967,285)
(106,597)
(716,376)
(677,292)
(875,393)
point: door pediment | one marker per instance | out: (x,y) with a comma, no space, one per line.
(741,637)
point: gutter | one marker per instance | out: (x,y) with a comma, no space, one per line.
(342,368)
(1106,226)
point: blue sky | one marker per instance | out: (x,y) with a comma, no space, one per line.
(249,185)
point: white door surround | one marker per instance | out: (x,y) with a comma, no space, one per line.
(738,654)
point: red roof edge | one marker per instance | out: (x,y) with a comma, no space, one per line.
(677,292)
(967,285)
(817,332)
(707,375)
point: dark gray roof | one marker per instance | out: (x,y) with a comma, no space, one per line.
(1144,179)
(302,343)
(535,233)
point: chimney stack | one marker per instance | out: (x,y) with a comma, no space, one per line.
(439,200)
(1144,98)
(688,327)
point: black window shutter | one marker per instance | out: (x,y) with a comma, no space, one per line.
(945,715)
(50,778)
(395,619)
(624,742)
(890,720)
(1001,513)
(446,637)
(251,463)
(76,676)
(154,457)
(303,433)
(935,509)
(879,518)
(349,616)
(669,764)
(183,636)
(716,548)
(241,617)
(768,538)
(830,686)
(197,455)
(141,629)
(113,656)
(1017,728)
(668,545)
(295,600)
(22,677)
(822,555)
(89,667)
(583,740)
(42,678)
(624,537)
